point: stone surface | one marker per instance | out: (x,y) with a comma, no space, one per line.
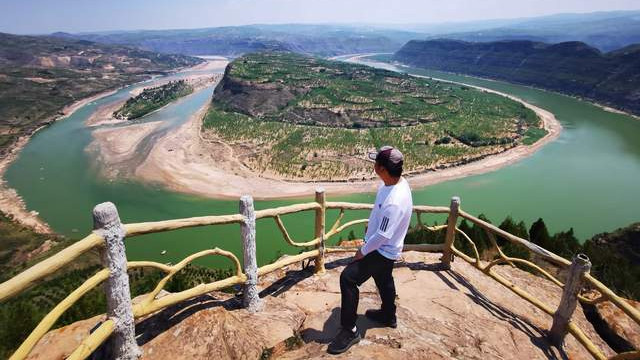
(459,313)
(621,324)
(217,333)
(59,344)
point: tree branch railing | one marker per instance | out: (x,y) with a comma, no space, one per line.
(109,235)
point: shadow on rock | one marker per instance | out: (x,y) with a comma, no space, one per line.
(538,336)
(332,326)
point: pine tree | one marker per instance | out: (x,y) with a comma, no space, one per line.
(566,244)
(539,234)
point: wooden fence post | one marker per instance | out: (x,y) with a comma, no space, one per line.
(447,253)
(580,265)
(319,229)
(250,298)
(106,222)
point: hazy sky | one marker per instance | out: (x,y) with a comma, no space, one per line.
(45,16)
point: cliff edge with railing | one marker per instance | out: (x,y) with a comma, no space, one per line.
(291,312)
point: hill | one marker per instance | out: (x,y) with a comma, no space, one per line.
(605,30)
(298,117)
(324,40)
(572,68)
(40,75)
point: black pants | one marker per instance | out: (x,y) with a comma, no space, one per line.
(356,273)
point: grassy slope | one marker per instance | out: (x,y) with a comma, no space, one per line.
(331,113)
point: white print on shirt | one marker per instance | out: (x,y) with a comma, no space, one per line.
(385,222)
(389,220)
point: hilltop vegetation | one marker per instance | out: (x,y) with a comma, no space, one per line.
(151,99)
(573,68)
(300,117)
(41,75)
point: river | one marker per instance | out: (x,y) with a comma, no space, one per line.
(586,179)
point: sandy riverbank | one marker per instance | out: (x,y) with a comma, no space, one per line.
(10,201)
(182,161)
(113,151)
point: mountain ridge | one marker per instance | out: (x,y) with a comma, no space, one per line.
(574,68)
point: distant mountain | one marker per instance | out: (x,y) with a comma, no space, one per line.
(573,68)
(40,75)
(604,30)
(325,40)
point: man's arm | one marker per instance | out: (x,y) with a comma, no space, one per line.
(391,216)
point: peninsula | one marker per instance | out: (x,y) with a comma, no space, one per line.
(301,118)
(280,124)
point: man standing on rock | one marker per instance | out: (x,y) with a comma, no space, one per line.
(384,239)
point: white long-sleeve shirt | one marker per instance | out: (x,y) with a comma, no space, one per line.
(389,220)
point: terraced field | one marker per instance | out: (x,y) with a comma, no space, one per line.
(296,117)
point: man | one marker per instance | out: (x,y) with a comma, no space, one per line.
(384,239)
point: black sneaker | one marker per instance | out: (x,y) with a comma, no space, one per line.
(343,341)
(379,317)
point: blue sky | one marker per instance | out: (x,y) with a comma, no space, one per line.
(45,16)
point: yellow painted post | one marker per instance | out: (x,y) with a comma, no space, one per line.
(447,253)
(319,229)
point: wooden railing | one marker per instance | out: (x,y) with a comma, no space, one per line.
(109,234)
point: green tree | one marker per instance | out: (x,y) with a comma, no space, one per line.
(520,230)
(461,243)
(539,234)
(566,244)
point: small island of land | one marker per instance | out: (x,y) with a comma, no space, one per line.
(151,99)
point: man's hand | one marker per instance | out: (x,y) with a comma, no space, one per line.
(357,256)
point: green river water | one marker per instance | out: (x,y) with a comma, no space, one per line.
(586,179)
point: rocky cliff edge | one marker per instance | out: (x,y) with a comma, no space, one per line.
(459,313)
